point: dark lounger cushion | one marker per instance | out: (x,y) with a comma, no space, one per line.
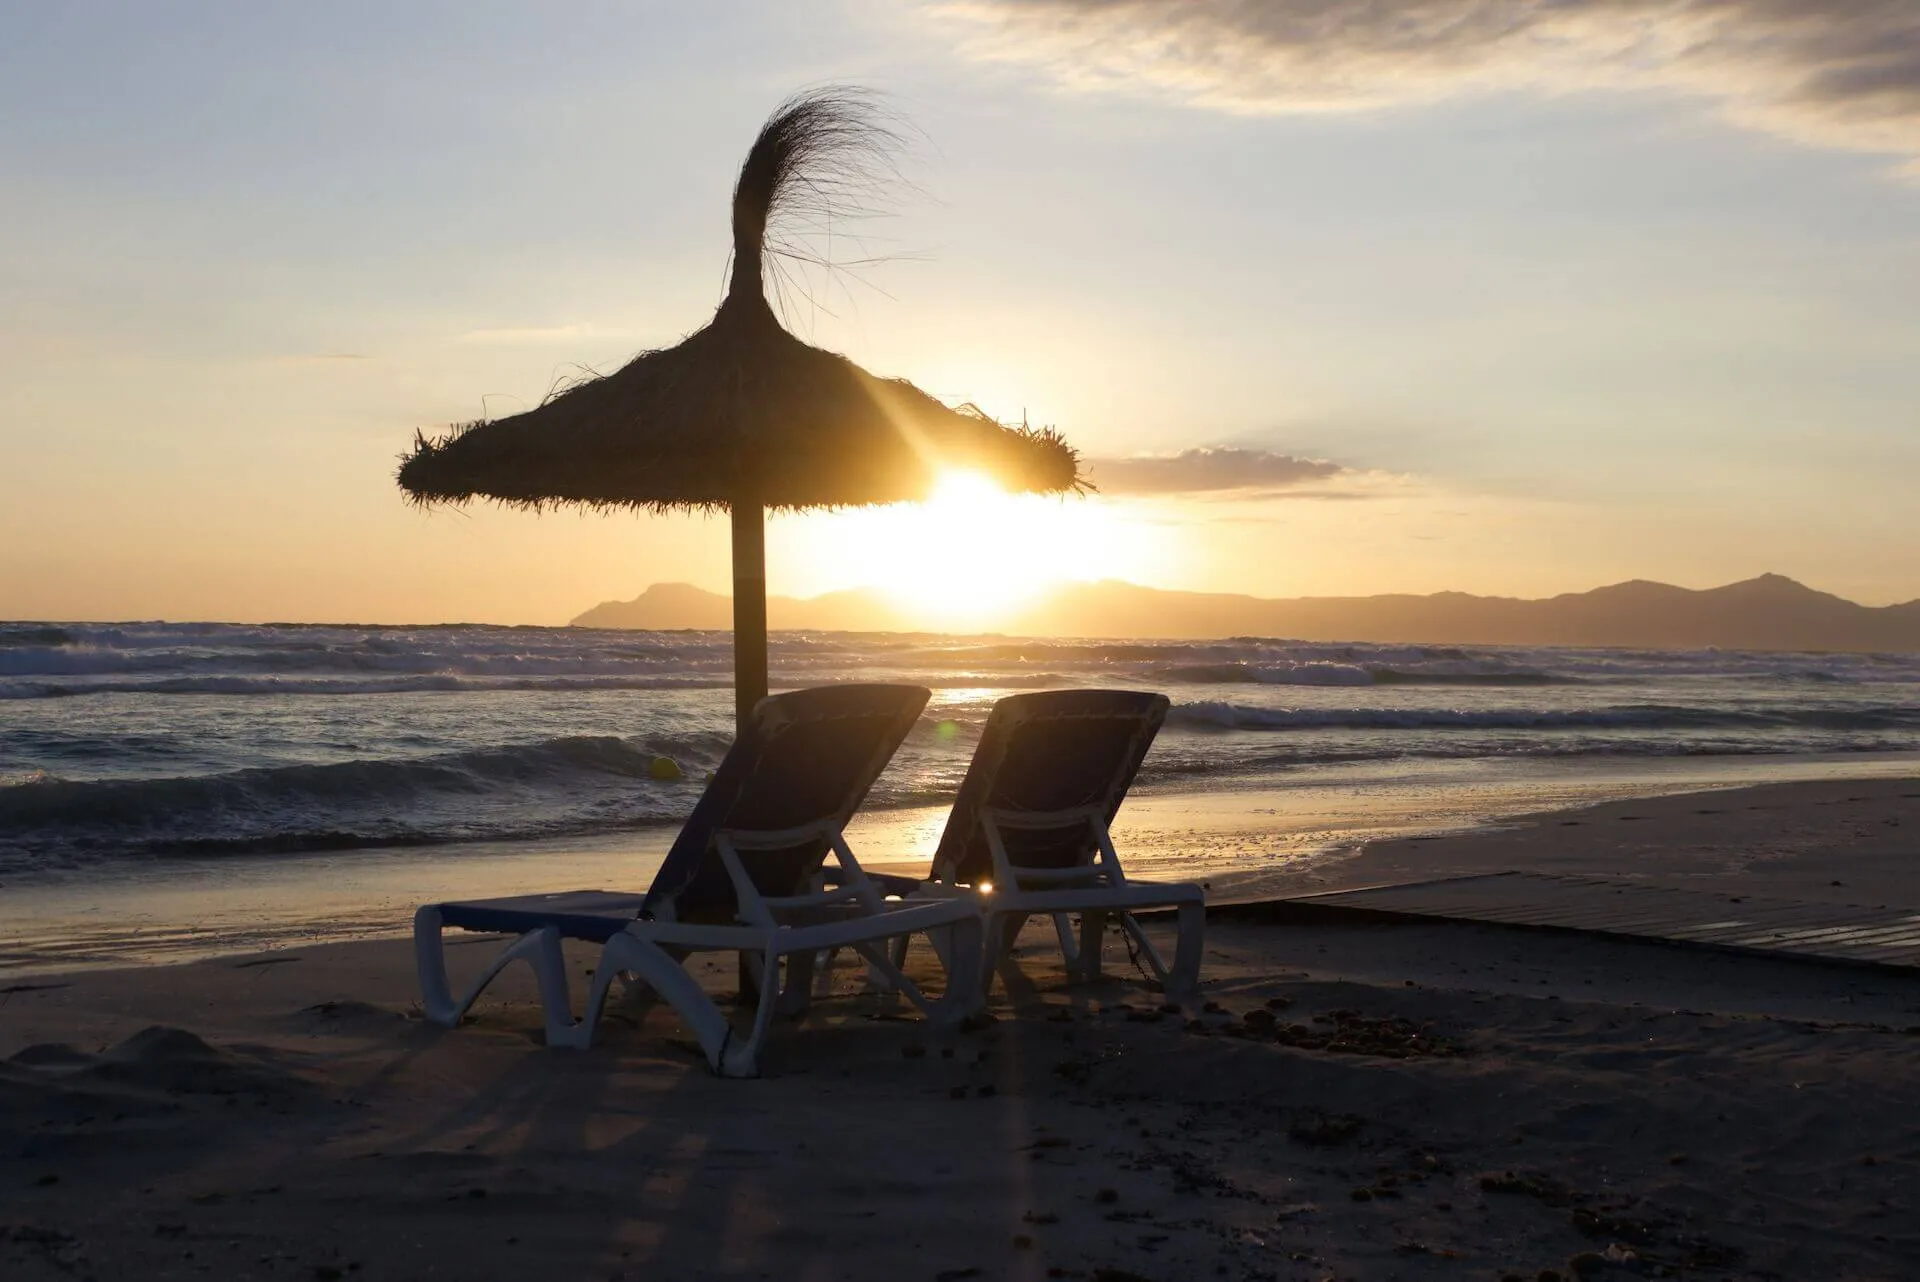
(1050,750)
(805,757)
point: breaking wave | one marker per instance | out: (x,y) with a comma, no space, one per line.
(546,788)
(1325,672)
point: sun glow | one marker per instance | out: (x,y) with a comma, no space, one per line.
(972,553)
(971,550)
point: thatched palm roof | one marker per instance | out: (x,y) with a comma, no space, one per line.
(741,410)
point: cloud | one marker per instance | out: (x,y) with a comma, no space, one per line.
(1209,471)
(1836,73)
(320,358)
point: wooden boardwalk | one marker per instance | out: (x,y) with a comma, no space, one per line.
(1883,936)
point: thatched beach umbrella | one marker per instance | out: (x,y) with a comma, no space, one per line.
(741,414)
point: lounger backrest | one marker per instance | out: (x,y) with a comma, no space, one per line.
(805,758)
(1050,751)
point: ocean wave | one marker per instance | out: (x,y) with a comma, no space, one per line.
(1216,715)
(437,683)
(1173,771)
(382,799)
(70,661)
(1239,672)
(39,636)
(1480,677)
(1015,653)
(1328,672)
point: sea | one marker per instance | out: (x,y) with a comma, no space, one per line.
(154,745)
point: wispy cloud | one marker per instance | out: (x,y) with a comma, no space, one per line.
(1837,73)
(321,358)
(1211,471)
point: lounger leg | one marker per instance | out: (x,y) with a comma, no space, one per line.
(1093,930)
(745,967)
(668,978)
(550,967)
(941,939)
(797,994)
(539,948)
(742,1059)
(960,960)
(880,978)
(1183,980)
(430,960)
(1002,930)
(883,976)
(1063,929)
(1011,926)
(966,993)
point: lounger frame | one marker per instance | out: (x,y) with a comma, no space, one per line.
(539,948)
(1097,888)
(649,955)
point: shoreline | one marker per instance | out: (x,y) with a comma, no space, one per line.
(1311,829)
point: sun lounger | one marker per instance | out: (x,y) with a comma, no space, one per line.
(1029,830)
(747,874)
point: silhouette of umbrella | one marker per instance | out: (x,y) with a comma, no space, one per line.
(741,414)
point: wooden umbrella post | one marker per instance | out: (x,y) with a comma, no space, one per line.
(749,609)
(749,642)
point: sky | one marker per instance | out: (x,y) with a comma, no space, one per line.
(1502,296)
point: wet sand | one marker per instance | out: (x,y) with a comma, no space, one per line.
(1846,841)
(1354,1101)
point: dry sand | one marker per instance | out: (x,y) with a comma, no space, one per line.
(1385,1101)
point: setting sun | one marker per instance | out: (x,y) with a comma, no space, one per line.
(972,552)
(973,549)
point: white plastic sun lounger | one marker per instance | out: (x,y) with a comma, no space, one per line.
(746,875)
(1029,833)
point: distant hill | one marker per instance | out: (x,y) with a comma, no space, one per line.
(1767,613)
(681,605)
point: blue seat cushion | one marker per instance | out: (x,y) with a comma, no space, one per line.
(595,915)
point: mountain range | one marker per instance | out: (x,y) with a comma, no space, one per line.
(1771,612)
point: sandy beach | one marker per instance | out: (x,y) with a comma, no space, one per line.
(1352,1101)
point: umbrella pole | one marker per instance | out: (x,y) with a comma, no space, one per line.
(749,609)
